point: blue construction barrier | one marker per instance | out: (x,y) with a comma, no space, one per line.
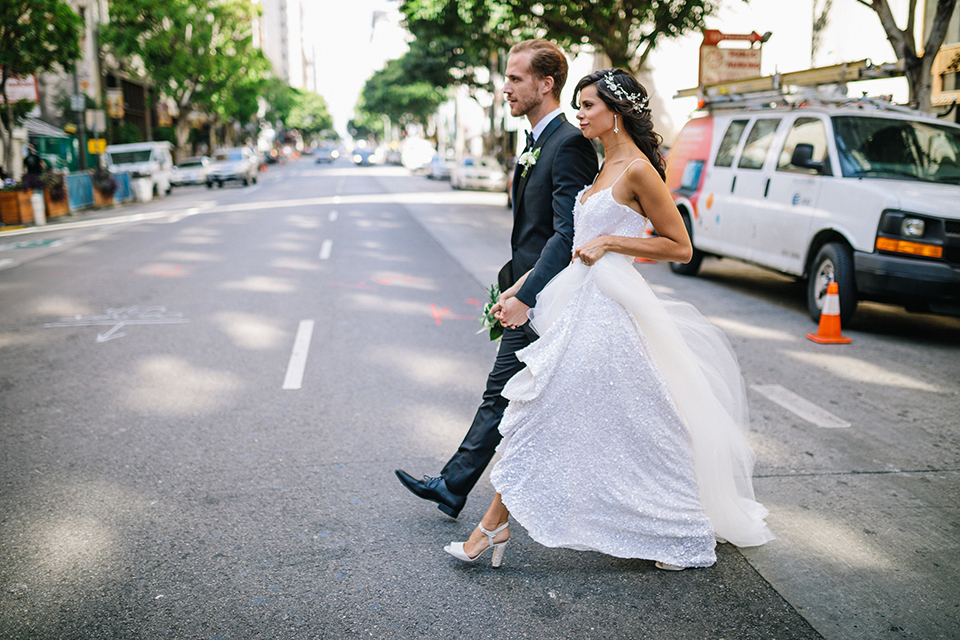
(123,192)
(80,190)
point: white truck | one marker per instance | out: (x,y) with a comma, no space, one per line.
(144,160)
(858,191)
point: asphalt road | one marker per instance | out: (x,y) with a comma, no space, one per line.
(157,479)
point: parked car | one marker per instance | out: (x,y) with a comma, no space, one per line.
(327,154)
(440,168)
(190,171)
(150,160)
(239,164)
(860,192)
(478,173)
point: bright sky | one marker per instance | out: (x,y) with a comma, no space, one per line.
(341,30)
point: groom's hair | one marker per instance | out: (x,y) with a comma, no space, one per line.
(546,61)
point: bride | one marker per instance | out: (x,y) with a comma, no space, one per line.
(625,430)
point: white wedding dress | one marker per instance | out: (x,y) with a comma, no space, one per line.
(625,430)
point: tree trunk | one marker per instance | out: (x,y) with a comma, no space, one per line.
(7,129)
(917,67)
(183,133)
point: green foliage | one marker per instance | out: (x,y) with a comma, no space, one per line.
(474,31)
(35,36)
(199,52)
(308,113)
(466,35)
(20,109)
(125,133)
(365,125)
(280,96)
(167,134)
(398,92)
(625,30)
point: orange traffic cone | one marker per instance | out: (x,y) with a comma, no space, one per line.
(829,330)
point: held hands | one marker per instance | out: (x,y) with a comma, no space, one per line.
(510,311)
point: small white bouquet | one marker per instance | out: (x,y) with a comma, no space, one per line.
(489,322)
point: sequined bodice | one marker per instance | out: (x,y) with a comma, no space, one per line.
(601,215)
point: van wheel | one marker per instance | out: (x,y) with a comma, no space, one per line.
(834,263)
(691,268)
(209,185)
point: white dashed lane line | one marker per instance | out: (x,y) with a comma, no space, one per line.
(298,358)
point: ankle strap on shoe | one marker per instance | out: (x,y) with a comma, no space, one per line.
(491,534)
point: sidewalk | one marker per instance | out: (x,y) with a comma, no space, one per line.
(20,244)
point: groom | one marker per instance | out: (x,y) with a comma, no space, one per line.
(546,181)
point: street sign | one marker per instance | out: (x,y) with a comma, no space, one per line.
(97,145)
(724,64)
(77,102)
(947,63)
(22,88)
(96,119)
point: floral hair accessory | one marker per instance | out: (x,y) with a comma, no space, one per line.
(639,102)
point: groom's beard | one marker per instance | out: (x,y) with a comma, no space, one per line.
(523,106)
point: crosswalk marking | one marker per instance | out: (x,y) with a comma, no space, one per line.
(800,406)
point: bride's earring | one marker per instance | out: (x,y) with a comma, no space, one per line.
(616,129)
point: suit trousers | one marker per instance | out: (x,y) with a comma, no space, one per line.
(476,451)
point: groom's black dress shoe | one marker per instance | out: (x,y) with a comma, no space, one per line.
(434,489)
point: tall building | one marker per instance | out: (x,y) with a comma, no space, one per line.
(281,40)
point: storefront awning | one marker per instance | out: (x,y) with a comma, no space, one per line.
(37,127)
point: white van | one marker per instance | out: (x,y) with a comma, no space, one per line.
(858,192)
(143,160)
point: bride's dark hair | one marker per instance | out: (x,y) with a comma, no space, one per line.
(630,104)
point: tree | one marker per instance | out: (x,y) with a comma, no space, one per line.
(917,67)
(197,51)
(464,35)
(309,113)
(365,125)
(627,31)
(398,92)
(35,37)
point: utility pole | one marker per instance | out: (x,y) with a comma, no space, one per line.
(78,103)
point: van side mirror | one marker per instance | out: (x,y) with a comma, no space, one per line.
(803,158)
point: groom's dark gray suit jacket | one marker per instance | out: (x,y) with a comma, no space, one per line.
(543,205)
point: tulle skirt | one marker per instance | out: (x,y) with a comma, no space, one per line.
(700,372)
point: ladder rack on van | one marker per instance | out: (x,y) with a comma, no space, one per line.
(784,89)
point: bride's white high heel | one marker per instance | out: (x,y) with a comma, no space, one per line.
(668,567)
(456,548)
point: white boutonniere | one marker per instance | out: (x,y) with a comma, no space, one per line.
(528,159)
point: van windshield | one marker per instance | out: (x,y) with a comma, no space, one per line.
(898,149)
(129,157)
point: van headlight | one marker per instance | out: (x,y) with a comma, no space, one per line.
(912,228)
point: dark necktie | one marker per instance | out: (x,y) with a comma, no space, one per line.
(530,141)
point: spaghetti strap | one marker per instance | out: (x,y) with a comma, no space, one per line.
(624,171)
